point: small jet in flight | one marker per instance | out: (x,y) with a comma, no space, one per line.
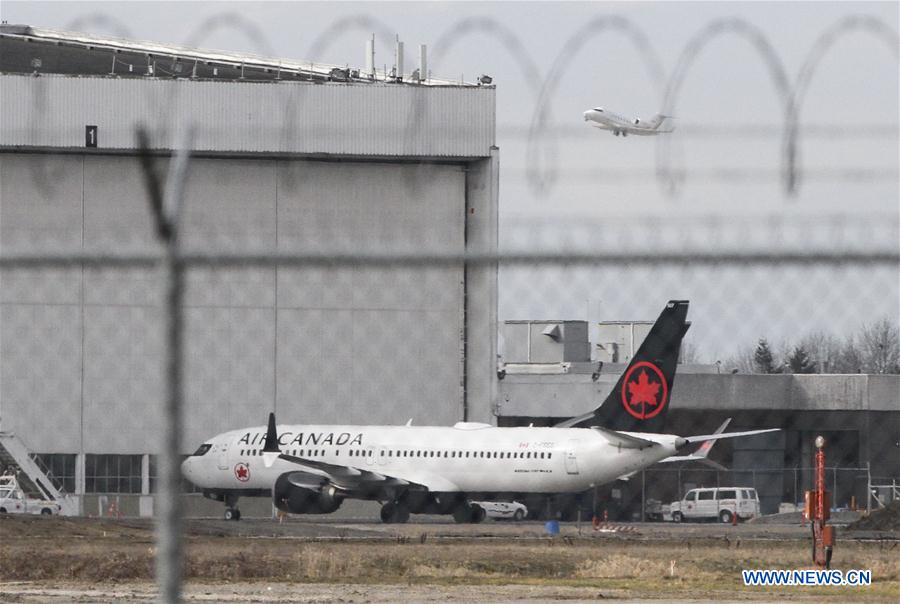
(440,470)
(617,124)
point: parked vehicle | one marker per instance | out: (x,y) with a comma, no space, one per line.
(503,510)
(14,501)
(716,503)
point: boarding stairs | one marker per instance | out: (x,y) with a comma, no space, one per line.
(33,477)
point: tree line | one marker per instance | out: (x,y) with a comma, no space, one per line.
(875,348)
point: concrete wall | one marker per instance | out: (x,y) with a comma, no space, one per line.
(574,394)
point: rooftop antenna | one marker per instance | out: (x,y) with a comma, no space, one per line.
(423,62)
(398,59)
(370,57)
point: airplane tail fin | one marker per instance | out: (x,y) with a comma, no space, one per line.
(661,122)
(640,399)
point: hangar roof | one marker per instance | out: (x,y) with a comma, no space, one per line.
(26,49)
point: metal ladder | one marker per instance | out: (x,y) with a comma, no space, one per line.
(33,479)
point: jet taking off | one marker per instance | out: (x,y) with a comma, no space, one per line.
(441,470)
(617,124)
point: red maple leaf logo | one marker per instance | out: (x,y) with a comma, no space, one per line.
(644,397)
(643,391)
(242,472)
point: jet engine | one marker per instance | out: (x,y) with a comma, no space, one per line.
(299,493)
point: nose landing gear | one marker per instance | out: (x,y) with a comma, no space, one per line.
(231,510)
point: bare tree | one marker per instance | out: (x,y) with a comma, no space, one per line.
(742,360)
(880,347)
(824,349)
(849,359)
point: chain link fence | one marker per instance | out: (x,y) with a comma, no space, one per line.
(196,294)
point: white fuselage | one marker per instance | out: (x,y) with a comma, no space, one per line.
(607,120)
(470,458)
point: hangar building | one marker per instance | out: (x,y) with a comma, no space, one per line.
(285,156)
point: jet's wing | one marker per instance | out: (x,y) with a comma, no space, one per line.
(347,477)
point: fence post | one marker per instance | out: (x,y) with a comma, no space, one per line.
(868,488)
(166,206)
(643,495)
(834,487)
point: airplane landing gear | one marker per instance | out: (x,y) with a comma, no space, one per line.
(394,512)
(469,513)
(231,510)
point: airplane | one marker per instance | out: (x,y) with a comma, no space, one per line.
(310,469)
(617,124)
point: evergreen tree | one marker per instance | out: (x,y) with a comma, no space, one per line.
(799,361)
(762,358)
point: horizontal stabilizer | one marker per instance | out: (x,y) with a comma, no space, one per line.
(704,437)
(623,441)
(704,460)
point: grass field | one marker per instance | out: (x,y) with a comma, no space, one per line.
(116,554)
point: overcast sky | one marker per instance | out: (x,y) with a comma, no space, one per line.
(729,115)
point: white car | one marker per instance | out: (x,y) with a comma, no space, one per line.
(716,503)
(14,501)
(503,510)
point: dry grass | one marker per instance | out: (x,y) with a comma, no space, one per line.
(709,568)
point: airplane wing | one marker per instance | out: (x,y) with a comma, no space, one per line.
(345,477)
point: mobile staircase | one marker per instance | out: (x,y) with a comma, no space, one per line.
(33,477)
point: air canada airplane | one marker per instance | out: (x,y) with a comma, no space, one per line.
(310,469)
(617,124)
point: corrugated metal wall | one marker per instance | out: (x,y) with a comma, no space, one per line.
(82,350)
(245,117)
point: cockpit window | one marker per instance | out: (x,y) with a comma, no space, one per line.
(202,450)
(600,109)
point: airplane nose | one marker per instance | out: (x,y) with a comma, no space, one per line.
(586,115)
(186,467)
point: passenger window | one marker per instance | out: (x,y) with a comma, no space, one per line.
(705,495)
(549,455)
(726,494)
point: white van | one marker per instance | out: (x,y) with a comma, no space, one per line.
(722,503)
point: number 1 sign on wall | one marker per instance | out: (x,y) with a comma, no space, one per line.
(90,136)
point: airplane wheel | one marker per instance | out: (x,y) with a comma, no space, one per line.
(462,514)
(232,514)
(401,514)
(677,517)
(477,514)
(387,513)
(237,514)
(394,513)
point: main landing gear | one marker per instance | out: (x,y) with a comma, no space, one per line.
(395,512)
(469,513)
(231,510)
